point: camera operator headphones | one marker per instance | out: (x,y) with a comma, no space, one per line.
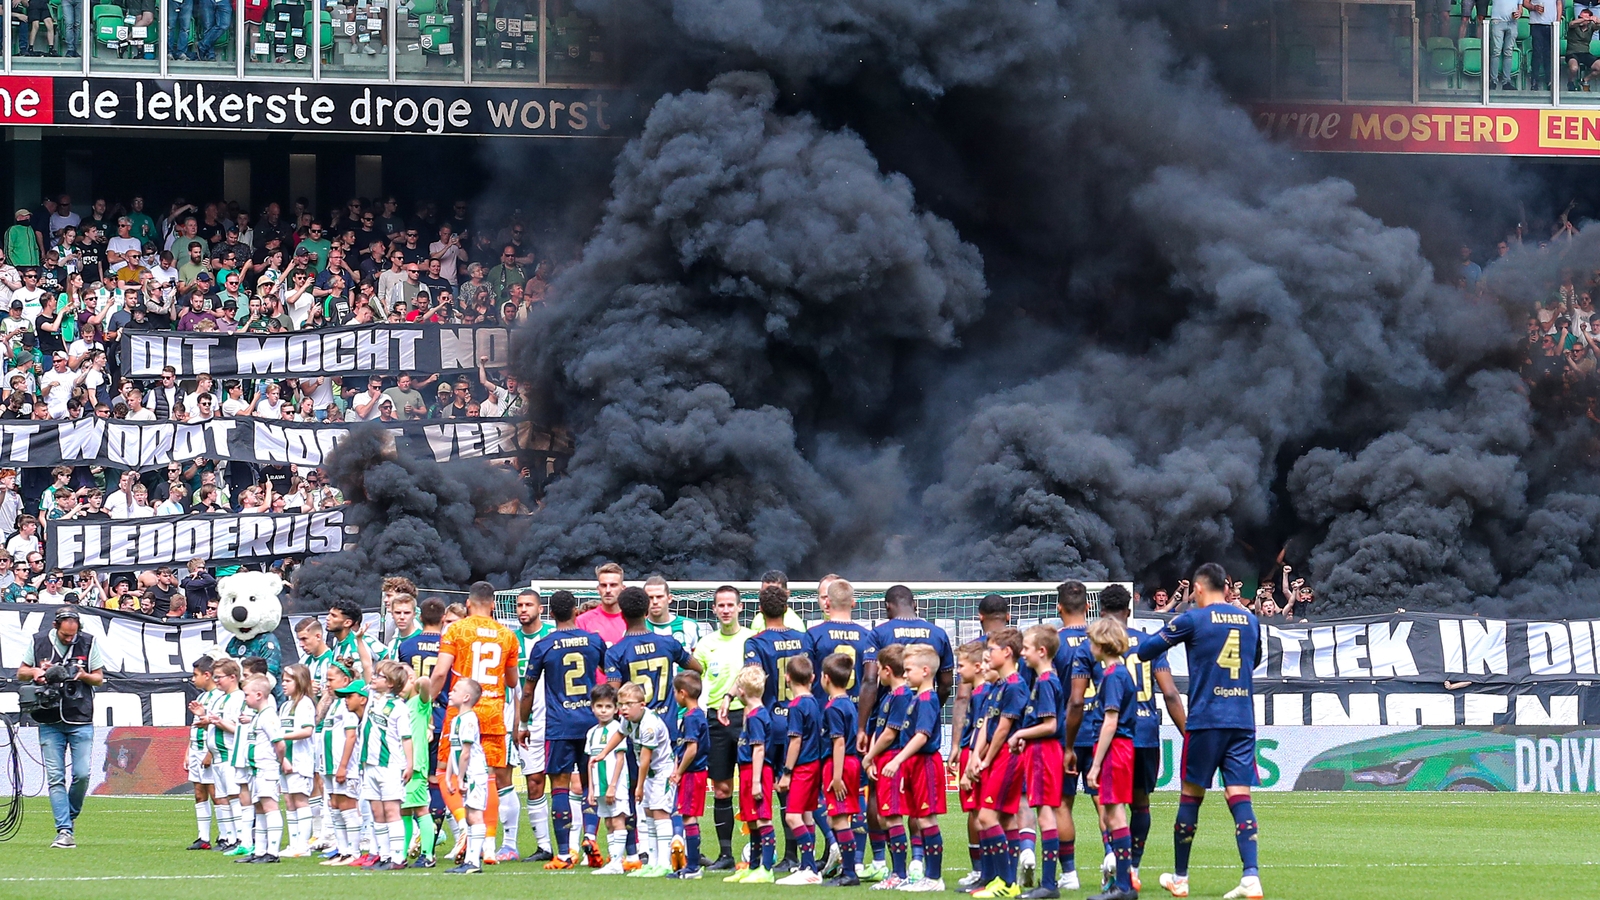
(76,706)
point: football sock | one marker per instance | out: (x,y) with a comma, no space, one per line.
(274,834)
(992,845)
(1050,843)
(806,843)
(1183,833)
(769,846)
(1029,838)
(932,853)
(691,837)
(722,814)
(399,846)
(846,839)
(1013,851)
(475,843)
(1068,855)
(380,841)
(560,820)
(878,840)
(898,849)
(1122,847)
(241,829)
(661,849)
(510,817)
(1245,829)
(617,843)
(1139,828)
(258,838)
(539,818)
(202,818)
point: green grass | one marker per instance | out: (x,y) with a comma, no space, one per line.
(1344,846)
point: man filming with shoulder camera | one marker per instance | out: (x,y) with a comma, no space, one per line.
(64,666)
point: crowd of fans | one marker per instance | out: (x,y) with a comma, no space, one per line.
(71,283)
(1563,338)
(1291,599)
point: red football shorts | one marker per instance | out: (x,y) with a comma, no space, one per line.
(803,787)
(1000,785)
(851,776)
(1116,773)
(692,795)
(891,801)
(755,803)
(967,796)
(922,780)
(1042,764)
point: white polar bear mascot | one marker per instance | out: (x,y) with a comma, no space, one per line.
(249,605)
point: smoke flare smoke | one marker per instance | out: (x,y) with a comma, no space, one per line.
(1011,290)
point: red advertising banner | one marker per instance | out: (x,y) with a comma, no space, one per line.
(1483,130)
(27,100)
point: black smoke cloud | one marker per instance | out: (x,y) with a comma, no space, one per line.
(752,268)
(1096,326)
(436,525)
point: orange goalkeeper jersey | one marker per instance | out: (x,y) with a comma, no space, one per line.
(485,651)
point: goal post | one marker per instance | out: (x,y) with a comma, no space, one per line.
(952,605)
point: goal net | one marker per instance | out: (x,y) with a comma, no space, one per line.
(951,605)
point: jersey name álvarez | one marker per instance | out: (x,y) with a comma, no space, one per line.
(1224,645)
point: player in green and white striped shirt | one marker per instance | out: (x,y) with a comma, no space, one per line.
(318,656)
(531,626)
(400,599)
(342,765)
(196,761)
(662,620)
(608,777)
(298,714)
(344,621)
(468,771)
(387,759)
(225,722)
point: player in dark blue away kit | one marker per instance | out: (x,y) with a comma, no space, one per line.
(1148,678)
(570,662)
(1224,645)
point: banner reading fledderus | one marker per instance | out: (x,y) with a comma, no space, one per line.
(266,442)
(359,350)
(219,539)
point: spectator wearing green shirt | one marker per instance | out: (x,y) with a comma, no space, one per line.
(507,273)
(194,265)
(721,655)
(144,227)
(22,242)
(317,245)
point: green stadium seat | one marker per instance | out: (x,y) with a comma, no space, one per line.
(1471,57)
(110,29)
(433,37)
(1443,62)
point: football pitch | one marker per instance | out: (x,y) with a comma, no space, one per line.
(1313,847)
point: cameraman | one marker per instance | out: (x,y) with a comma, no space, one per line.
(68,657)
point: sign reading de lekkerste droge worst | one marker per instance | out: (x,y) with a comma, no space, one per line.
(1396,128)
(317,107)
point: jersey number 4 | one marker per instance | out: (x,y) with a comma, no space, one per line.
(1229,657)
